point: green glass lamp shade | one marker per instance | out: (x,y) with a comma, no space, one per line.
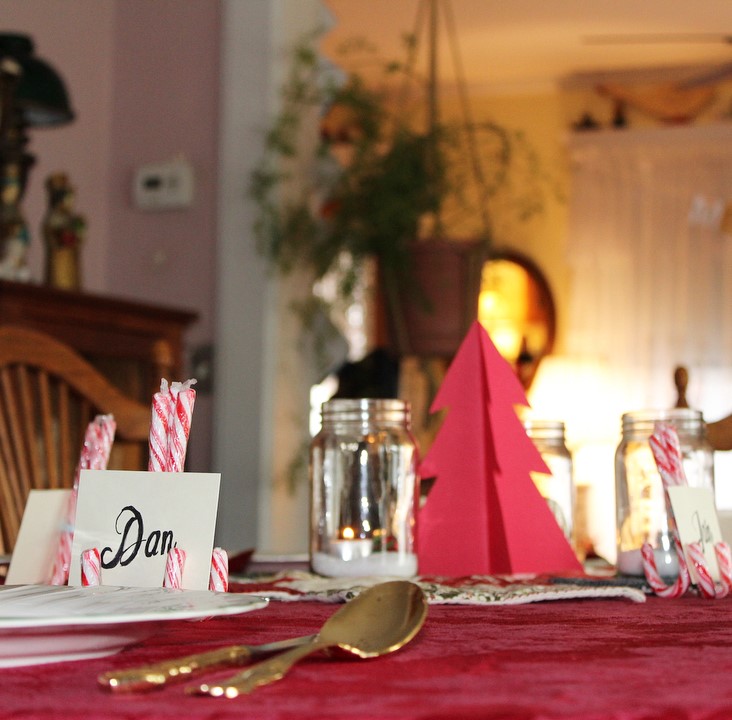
(40,94)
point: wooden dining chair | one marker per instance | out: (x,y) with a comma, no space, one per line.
(48,396)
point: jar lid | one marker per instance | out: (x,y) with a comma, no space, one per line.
(365,409)
(539,428)
(683,419)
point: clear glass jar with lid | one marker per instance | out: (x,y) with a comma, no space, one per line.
(364,490)
(558,487)
(641,512)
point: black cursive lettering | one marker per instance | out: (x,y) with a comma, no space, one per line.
(128,547)
(703,530)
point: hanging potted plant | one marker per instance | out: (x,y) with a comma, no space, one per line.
(376,187)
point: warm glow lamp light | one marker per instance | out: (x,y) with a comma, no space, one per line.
(32,94)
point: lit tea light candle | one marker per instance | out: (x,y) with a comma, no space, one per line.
(351,556)
(630,562)
(348,547)
(386,564)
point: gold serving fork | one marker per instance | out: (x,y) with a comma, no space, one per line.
(155,675)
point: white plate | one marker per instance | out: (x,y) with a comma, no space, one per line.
(42,624)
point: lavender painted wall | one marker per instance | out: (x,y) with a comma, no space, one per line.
(77,38)
(143,78)
(165,103)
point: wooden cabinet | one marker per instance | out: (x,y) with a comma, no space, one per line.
(134,344)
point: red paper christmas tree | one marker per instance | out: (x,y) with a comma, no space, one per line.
(484,514)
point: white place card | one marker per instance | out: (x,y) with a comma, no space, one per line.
(35,547)
(697,521)
(134,518)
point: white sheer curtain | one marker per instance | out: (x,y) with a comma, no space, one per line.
(652,263)
(651,257)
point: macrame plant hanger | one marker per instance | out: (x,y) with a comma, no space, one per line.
(429,11)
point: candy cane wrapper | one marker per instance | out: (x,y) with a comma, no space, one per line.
(174,566)
(219,581)
(91,568)
(180,427)
(163,407)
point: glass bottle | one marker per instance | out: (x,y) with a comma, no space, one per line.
(558,488)
(364,490)
(641,511)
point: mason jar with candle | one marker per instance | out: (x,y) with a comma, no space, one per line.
(642,515)
(557,488)
(364,490)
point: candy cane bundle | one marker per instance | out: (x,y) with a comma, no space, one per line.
(170,426)
(667,453)
(95,451)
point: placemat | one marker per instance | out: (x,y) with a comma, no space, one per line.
(294,585)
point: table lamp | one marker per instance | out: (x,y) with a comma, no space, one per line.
(32,94)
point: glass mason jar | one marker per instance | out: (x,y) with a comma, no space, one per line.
(364,490)
(641,508)
(558,488)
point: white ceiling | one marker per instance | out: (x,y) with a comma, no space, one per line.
(529,45)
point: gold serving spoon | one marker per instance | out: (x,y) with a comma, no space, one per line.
(380,620)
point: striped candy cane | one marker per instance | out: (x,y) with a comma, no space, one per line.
(163,406)
(94,455)
(724,561)
(95,452)
(219,581)
(60,569)
(180,427)
(659,587)
(667,453)
(174,569)
(707,587)
(91,568)
(705,582)
(666,450)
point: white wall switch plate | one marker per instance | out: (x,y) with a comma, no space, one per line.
(164,186)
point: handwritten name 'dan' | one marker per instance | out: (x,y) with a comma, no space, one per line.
(129,526)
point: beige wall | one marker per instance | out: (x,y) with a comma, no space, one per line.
(542,236)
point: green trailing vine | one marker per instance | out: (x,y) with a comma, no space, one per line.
(312,210)
(370,207)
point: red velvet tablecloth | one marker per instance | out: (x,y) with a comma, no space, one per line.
(566,659)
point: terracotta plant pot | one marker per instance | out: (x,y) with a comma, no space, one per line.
(430,314)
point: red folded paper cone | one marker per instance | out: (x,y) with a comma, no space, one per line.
(484,514)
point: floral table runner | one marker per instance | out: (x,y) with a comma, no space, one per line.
(294,585)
